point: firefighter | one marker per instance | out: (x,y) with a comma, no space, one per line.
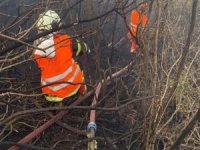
(138,17)
(61,76)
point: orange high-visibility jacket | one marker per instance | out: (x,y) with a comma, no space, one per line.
(136,18)
(60,69)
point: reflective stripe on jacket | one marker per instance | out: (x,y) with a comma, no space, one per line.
(60,75)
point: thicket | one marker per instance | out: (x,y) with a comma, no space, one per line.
(154,105)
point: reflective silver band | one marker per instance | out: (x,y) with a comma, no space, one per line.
(62,85)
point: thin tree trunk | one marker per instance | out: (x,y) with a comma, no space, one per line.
(185,49)
(186,131)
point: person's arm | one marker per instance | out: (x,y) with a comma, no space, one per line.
(144,21)
(79,47)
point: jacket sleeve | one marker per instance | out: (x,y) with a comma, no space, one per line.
(144,20)
(79,47)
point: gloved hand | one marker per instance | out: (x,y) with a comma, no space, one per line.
(92,125)
(80,47)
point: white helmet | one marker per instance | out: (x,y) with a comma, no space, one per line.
(46,20)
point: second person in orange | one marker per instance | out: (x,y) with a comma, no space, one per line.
(138,17)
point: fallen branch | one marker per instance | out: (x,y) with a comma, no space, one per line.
(60,123)
(66,108)
(43,127)
(26,146)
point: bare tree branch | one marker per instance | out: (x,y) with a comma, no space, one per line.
(186,130)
